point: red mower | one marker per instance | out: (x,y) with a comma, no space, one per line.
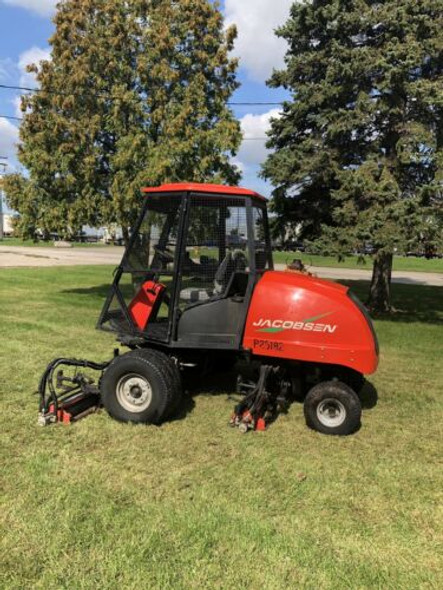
(196,288)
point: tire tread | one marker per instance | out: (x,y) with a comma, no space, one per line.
(157,364)
(342,392)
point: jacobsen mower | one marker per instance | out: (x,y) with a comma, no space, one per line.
(196,287)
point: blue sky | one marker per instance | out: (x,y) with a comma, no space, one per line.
(25,26)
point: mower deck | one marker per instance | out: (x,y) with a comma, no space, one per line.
(67,399)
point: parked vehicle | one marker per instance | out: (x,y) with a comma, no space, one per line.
(174,308)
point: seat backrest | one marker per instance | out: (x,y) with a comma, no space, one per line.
(223,273)
(260,260)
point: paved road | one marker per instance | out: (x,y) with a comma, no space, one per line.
(22,256)
(13,256)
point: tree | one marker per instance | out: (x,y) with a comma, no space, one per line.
(359,149)
(135,94)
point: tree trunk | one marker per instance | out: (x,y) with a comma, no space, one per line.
(126,234)
(380,291)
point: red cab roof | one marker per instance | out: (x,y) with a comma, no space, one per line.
(195,187)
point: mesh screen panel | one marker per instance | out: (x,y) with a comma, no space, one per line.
(258,222)
(156,242)
(216,247)
(115,317)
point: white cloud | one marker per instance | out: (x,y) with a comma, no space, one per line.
(3,71)
(41,7)
(254,127)
(253,150)
(34,55)
(31,56)
(239,164)
(257,45)
(8,138)
(7,67)
(16,101)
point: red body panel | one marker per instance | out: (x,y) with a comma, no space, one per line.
(296,316)
(144,302)
(208,189)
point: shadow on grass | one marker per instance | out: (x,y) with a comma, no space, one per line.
(368,396)
(195,384)
(411,303)
(186,407)
(96,292)
(216,383)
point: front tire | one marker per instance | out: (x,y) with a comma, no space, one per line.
(140,388)
(173,375)
(332,407)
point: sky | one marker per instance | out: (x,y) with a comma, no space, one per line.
(26,25)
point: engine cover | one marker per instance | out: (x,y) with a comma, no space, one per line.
(300,317)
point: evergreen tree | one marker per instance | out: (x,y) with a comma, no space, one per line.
(359,149)
(135,94)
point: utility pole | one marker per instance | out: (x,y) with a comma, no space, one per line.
(2,169)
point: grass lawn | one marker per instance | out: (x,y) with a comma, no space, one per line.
(402,263)
(194,504)
(48,244)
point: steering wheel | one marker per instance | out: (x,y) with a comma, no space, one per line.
(165,255)
(239,259)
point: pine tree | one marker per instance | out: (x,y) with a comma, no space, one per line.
(359,149)
(135,94)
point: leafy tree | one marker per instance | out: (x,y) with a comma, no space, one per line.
(359,149)
(135,94)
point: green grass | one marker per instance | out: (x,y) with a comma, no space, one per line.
(49,244)
(196,505)
(401,263)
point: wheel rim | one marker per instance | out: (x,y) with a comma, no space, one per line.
(331,412)
(134,393)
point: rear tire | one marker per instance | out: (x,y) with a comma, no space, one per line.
(140,387)
(332,407)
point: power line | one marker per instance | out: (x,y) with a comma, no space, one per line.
(255,104)
(6,87)
(244,139)
(9,117)
(98,95)
(57,92)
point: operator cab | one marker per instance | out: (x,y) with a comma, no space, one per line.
(190,267)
